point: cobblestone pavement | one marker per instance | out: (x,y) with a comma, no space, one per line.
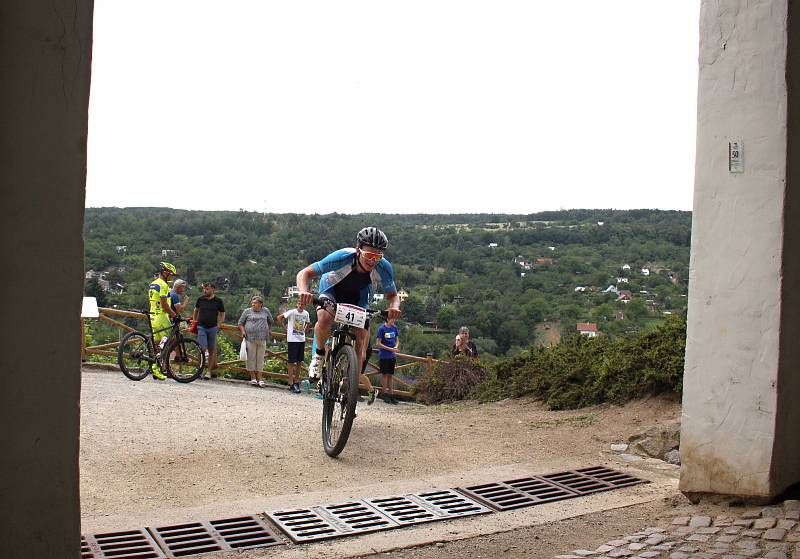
(768,533)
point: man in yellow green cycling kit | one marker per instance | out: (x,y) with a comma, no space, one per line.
(161,313)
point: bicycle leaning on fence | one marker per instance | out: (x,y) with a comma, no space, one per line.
(180,357)
(340,373)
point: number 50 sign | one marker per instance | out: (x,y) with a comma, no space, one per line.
(735,159)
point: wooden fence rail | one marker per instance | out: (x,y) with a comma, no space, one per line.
(405,389)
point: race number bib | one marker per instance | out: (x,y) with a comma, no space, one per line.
(351,314)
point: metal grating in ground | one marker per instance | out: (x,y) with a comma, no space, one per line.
(331,521)
(615,478)
(130,544)
(427,507)
(244,532)
(535,490)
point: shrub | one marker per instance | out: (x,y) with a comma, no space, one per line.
(585,371)
(450,381)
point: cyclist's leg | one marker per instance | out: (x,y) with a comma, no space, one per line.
(362,337)
(161,330)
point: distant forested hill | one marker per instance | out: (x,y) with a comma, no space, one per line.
(499,274)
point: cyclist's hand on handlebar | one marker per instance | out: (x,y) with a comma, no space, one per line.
(306,298)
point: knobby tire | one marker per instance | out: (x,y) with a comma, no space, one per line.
(135,355)
(339,400)
(185,360)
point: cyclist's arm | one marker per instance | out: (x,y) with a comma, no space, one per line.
(165,306)
(394,305)
(303,280)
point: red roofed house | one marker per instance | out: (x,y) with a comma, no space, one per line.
(587,329)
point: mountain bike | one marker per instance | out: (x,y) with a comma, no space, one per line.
(179,357)
(340,373)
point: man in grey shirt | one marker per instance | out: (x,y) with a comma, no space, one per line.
(254,325)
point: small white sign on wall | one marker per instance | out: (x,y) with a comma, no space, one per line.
(735,156)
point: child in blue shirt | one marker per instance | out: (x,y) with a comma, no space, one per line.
(388,342)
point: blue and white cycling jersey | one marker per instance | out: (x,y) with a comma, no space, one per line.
(338,265)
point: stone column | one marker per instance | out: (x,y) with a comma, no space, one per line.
(741,405)
(45,53)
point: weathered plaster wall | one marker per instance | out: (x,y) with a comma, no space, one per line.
(45,50)
(734,331)
(786,464)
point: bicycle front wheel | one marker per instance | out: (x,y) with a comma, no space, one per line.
(339,400)
(135,355)
(185,360)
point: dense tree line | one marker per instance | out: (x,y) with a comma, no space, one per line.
(458,269)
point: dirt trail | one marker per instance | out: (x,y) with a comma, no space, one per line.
(163,452)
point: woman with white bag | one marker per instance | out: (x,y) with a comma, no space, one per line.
(254,325)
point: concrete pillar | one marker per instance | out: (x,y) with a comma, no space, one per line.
(741,418)
(45,52)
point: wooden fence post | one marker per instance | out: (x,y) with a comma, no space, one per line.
(430,362)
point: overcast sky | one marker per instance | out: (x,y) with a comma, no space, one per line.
(415,106)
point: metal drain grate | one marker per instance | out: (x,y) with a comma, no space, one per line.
(130,544)
(535,490)
(427,507)
(517,493)
(244,532)
(615,478)
(331,521)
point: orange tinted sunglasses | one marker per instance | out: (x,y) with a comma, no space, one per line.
(374,256)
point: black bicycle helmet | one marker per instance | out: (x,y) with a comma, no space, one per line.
(372,236)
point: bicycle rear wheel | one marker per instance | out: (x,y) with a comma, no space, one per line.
(135,355)
(185,359)
(339,400)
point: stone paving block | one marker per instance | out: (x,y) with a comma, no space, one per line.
(753,533)
(747,544)
(698,538)
(688,548)
(605,547)
(700,521)
(765,523)
(727,539)
(635,546)
(649,554)
(621,552)
(617,543)
(792,514)
(662,547)
(568,557)
(651,531)
(583,552)
(775,534)
(793,537)
(786,524)
(683,531)
(791,504)
(655,539)
(678,555)
(722,545)
(751,514)
(733,530)
(723,521)
(681,520)
(749,552)
(635,537)
(776,555)
(772,512)
(743,522)
(702,555)
(709,530)
(733,557)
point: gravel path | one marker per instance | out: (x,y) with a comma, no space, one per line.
(154,452)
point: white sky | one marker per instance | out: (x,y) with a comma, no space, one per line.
(416,106)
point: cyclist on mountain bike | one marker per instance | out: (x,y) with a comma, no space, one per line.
(161,313)
(348,276)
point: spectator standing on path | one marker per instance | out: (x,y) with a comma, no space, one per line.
(254,325)
(177,296)
(161,313)
(463,345)
(388,342)
(209,312)
(297,324)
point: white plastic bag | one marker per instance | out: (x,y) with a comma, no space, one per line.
(243,351)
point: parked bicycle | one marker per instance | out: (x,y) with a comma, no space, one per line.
(180,357)
(340,373)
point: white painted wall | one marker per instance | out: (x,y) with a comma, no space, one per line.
(734,322)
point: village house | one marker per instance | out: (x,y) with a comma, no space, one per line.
(587,329)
